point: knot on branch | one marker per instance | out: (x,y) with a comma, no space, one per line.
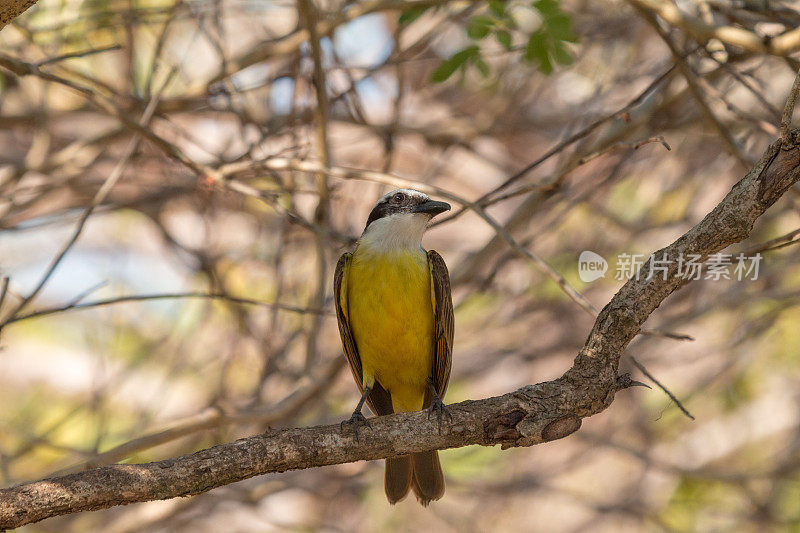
(560,428)
(781,169)
(516,428)
(792,139)
(503,429)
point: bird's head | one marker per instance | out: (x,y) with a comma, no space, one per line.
(400,218)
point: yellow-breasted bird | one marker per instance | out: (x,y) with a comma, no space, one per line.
(395,318)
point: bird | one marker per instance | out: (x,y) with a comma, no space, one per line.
(395,316)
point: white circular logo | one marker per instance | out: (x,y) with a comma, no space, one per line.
(591,266)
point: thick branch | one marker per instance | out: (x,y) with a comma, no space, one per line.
(531,415)
(11,9)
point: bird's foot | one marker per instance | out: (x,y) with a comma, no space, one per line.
(355,420)
(438,407)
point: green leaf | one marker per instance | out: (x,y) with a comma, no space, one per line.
(498,7)
(535,45)
(548,8)
(560,28)
(504,38)
(477,32)
(410,15)
(536,50)
(479,27)
(483,68)
(561,54)
(449,66)
(467,53)
(444,71)
(545,65)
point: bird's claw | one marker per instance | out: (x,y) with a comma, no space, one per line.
(438,407)
(355,420)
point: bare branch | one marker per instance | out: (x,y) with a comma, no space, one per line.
(570,140)
(528,416)
(308,14)
(788,111)
(696,85)
(780,45)
(663,387)
(166,296)
(216,416)
(291,42)
(73,55)
(98,199)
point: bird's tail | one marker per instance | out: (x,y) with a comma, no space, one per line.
(397,480)
(427,479)
(420,471)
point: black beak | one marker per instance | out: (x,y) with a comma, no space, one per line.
(431,207)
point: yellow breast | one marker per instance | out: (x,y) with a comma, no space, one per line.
(391,316)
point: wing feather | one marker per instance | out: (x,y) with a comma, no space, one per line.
(379,400)
(443,323)
(340,300)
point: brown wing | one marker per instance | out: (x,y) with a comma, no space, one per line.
(340,300)
(442,322)
(379,399)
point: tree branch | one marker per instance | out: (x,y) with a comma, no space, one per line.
(9,10)
(528,416)
(780,45)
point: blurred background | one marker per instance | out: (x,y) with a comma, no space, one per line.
(221,143)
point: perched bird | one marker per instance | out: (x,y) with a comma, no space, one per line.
(395,318)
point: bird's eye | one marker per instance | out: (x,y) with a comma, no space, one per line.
(398,198)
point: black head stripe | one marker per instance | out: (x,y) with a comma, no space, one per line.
(381,210)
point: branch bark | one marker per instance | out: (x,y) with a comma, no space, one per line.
(11,9)
(528,416)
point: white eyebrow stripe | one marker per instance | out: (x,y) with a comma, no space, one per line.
(410,192)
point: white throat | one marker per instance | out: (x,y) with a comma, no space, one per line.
(398,232)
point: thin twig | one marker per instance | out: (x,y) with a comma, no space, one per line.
(661,386)
(22,68)
(166,296)
(580,135)
(226,171)
(552,185)
(214,416)
(98,199)
(85,294)
(696,83)
(72,55)
(630,145)
(3,290)
(308,14)
(786,239)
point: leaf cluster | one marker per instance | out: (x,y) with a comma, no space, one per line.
(544,42)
